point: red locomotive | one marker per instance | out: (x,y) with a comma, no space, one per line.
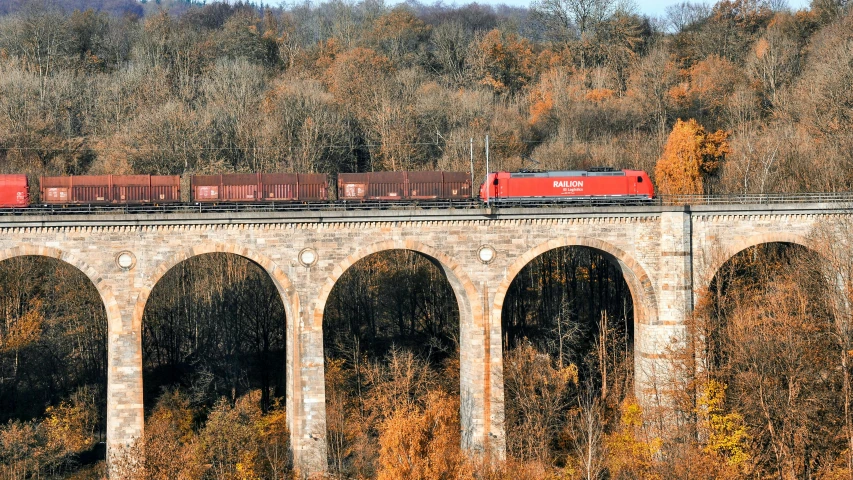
(14,191)
(604,183)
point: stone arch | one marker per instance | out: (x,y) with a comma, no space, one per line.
(289,297)
(640,285)
(282,282)
(719,258)
(476,389)
(114,322)
(458,279)
(124,413)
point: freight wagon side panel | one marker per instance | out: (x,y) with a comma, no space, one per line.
(279,186)
(206,188)
(240,187)
(313,187)
(131,194)
(130,189)
(14,191)
(352,186)
(55,189)
(386,186)
(165,188)
(94,194)
(426,185)
(85,189)
(457,185)
(90,189)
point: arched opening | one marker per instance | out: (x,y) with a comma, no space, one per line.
(214,362)
(391,328)
(568,328)
(53,369)
(772,333)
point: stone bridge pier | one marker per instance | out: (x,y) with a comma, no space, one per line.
(665,255)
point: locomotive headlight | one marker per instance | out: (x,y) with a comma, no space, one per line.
(125,260)
(308,257)
(486,253)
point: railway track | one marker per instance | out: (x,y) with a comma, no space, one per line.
(342,206)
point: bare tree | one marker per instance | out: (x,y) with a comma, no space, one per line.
(588,428)
(834,243)
(683,15)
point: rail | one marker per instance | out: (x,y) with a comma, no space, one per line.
(339,206)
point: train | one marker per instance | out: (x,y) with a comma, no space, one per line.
(503,188)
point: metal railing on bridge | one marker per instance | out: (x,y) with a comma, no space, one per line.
(756,199)
(839,198)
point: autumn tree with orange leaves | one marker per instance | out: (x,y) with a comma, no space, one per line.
(691,157)
(505,62)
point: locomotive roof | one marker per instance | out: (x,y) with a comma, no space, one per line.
(568,173)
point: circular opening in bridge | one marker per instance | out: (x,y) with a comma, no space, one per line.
(213,351)
(53,367)
(567,323)
(390,335)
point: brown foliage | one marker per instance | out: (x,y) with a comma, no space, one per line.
(706,87)
(400,34)
(423,442)
(537,398)
(170,446)
(505,61)
(390,399)
(179,91)
(355,78)
(236,442)
(690,158)
(30,449)
(768,327)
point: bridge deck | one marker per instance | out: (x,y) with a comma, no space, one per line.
(24,218)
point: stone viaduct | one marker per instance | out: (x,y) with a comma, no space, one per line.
(665,253)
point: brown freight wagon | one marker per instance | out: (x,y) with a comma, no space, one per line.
(111,189)
(456,185)
(404,186)
(253,187)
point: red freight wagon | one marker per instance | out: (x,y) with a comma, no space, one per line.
(310,187)
(439,185)
(14,191)
(457,185)
(372,186)
(568,185)
(404,186)
(251,187)
(110,189)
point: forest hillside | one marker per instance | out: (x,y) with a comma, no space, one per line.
(171,88)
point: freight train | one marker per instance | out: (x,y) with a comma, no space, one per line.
(499,188)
